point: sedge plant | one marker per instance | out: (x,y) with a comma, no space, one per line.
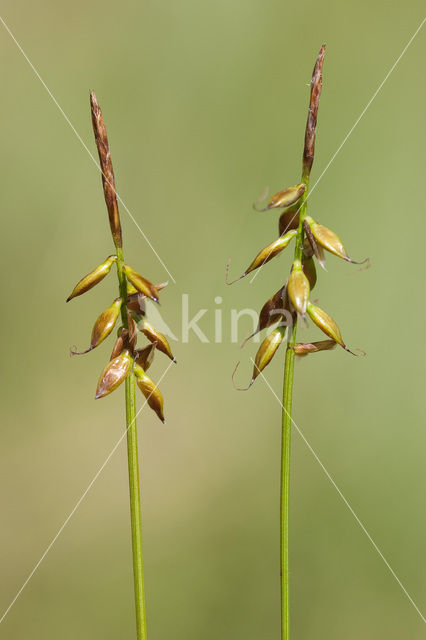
(127,362)
(291,305)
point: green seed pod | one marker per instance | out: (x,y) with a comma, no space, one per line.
(270,251)
(267,351)
(155,336)
(140,283)
(105,323)
(92,278)
(150,391)
(286,197)
(312,347)
(113,374)
(144,357)
(310,271)
(298,288)
(326,324)
(328,240)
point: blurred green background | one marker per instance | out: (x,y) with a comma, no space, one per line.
(205,104)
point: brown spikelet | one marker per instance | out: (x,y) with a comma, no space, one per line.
(311,125)
(108,181)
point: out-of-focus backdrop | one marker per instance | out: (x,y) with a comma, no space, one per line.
(205,104)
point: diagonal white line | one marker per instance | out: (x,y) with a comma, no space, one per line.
(351,130)
(344,500)
(83,144)
(76,506)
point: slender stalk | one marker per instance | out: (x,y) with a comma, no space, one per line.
(135,507)
(285,442)
(133,466)
(285,483)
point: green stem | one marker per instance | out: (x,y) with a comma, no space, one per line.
(133,465)
(286,439)
(135,507)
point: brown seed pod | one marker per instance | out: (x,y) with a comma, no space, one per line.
(311,124)
(303,349)
(155,336)
(316,248)
(108,181)
(310,271)
(119,343)
(285,198)
(113,374)
(267,351)
(298,288)
(289,219)
(140,283)
(93,278)
(144,357)
(150,391)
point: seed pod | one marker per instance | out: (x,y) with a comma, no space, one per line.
(326,324)
(270,252)
(155,336)
(289,219)
(150,391)
(316,248)
(311,125)
(140,283)
(144,357)
(108,181)
(286,197)
(130,289)
(267,351)
(298,288)
(312,347)
(276,309)
(102,327)
(92,278)
(136,303)
(105,323)
(329,240)
(310,271)
(113,374)
(119,343)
